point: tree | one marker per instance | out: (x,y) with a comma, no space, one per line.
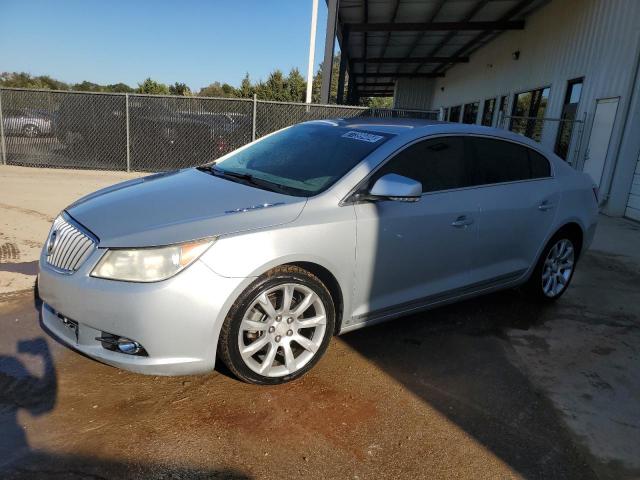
(246,88)
(296,86)
(25,80)
(274,88)
(86,86)
(179,89)
(377,102)
(119,88)
(152,87)
(216,89)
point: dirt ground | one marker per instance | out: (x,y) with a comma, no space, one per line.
(492,387)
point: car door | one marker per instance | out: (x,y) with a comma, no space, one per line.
(411,253)
(516,208)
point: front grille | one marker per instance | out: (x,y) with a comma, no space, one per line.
(67,246)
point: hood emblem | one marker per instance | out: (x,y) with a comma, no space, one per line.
(254,207)
(51,242)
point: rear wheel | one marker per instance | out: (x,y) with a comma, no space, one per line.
(555,268)
(279,327)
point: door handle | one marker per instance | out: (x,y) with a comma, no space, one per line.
(546,205)
(462,221)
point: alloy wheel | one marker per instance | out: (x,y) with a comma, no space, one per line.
(558,267)
(282,330)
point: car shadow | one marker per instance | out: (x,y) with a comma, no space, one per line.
(457,360)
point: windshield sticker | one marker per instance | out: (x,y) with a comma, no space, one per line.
(363,137)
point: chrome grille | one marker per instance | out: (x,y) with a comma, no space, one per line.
(67,246)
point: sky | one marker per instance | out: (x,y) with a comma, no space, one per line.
(192,41)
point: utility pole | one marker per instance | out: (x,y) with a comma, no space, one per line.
(312,48)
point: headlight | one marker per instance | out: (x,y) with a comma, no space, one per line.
(149,264)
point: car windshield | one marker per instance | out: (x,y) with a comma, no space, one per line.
(302,160)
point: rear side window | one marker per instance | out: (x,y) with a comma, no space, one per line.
(439,164)
(540,167)
(498,161)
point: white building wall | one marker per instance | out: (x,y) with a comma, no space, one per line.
(566,39)
(418,95)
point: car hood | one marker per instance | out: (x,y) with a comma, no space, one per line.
(179,206)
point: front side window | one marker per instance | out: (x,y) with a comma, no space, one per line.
(302,160)
(499,161)
(439,164)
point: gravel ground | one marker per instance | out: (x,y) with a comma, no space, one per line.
(492,387)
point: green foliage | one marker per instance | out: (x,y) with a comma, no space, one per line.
(217,89)
(246,88)
(277,86)
(377,102)
(25,80)
(119,88)
(180,89)
(152,87)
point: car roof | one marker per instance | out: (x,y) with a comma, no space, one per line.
(412,128)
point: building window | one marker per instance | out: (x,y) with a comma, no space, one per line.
(470,113)
(454,114)
(487,112)
(569,111)
(529,108)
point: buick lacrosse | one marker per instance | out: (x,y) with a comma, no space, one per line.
(321,228)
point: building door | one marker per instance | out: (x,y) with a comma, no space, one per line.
(601,130)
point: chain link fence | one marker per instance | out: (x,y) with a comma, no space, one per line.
(567,133)
(109,131)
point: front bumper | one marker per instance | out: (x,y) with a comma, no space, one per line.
(177,321)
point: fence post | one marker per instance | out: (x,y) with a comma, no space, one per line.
(2,144)
(500,119)
(441,114)
(253,124)
(126,113)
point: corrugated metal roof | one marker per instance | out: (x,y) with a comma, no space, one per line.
(370,52)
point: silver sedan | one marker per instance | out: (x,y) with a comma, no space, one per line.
(318,229)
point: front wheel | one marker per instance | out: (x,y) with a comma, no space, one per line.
(279,327)
(554,270)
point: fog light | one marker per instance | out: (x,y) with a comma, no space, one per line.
(125,345)
(129,346)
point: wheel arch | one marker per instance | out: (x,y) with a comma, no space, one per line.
(575,231)
(331,282)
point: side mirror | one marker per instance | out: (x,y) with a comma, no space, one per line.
(395,187)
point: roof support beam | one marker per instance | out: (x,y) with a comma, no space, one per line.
(398,75)
(329,44)
(435,26)
(413,60)
(375,84)
(396,6)
(475,41)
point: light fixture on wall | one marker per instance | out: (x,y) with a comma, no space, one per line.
(516,55)
(442,89)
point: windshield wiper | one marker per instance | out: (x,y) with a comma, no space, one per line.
(247,177)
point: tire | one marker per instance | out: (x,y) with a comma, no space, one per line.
(30,130)
(555,268)
(263,342)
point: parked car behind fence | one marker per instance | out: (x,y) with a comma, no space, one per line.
(110,131)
